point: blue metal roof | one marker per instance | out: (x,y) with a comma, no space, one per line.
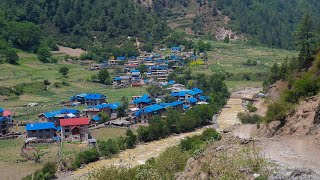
(191,92)
(61,111)
(1,109)
(145,96)
(40,126)
(121,58)
(134,70)
(172,104)
(171,82)
(137,113)
(148,59)
(204,98)
(95,96)
(96,118)
(152,108)
(2,119)
(117,78)
(192,100)
(142,100)
(185,107)
(105,105)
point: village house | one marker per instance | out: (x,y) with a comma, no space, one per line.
(145,114)
(143,101)
(55,116)
(175,49)
(89,99)
(75,129)
(177,105)
(42,130)
(160,72)
(135,78)
(191,102)
(121,81)
(5,118)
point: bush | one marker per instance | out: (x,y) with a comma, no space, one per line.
(85,157)
(210,134)
(108,148)
(131,139)
(277,111)
(46,173)
(251,108)
(246,118)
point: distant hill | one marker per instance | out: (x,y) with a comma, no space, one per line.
(268,22)
(81,23)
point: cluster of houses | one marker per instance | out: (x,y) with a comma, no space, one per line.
(157,67)
(73,125)
(145,108)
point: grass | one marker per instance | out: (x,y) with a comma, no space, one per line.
(104,134)
(229,57)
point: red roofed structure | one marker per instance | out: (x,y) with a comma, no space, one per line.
(74,121)
(74,129)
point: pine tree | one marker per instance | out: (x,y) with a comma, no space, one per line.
(304,40)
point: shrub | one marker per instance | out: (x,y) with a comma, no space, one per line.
(108,148)
(47,172)
(210,134)
(85,157)
(246,118)
(277,111)
(251,108)
(131,139)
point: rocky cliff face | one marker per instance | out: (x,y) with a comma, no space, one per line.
(198,19)
(304,121)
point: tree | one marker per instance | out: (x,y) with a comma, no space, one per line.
(304,40)
(44,54)
(121,111)
(104,117)
(142,68)
(154,90)
(64,71)
(131,139)
(104,76)
(11,56)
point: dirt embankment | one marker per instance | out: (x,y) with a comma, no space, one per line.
(69,51)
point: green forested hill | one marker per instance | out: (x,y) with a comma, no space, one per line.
(82,22)
(270,22)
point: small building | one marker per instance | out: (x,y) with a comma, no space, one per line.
(143,101)
(135,77)
(121,81)
(144,115)
(89,99)
(175,49)
(75,129)
(5,118)
(55,116)
(191,102)
(177,105)
(42,130)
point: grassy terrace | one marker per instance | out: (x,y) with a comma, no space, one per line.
(31,70)
(229,57)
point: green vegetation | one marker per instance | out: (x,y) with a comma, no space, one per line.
(302,73)
(165,166)
(46,173)
(64,71)
(247,118)
(268,22)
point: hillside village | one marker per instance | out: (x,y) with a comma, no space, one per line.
(70,124)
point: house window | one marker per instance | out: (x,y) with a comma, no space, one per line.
(48,136)
(33,131)
(67,130)
(65,136)
(47,130)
